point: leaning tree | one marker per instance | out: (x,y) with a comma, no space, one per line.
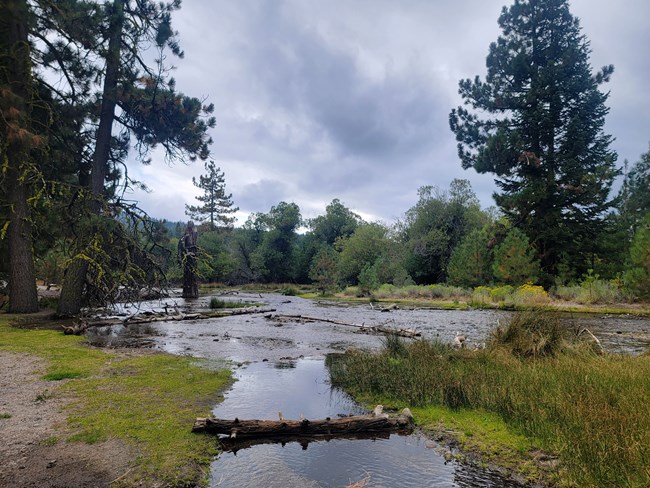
(536,123)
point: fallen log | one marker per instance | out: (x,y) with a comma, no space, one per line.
(377,329)
(361,424)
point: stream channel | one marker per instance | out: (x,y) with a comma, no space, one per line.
(279,367)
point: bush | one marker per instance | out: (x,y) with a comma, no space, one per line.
(592,290)
(219,303)
(529,294)
(531,334)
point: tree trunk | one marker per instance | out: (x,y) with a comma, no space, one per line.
(73,284)
(15,75)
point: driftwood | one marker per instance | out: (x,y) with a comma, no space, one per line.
(368,329)
(196,316)
(593,338)
(252,429)
(149,317)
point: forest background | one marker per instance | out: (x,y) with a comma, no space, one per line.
(67,147)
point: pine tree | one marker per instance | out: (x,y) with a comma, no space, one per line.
(469,265)
(637,277)
(17,140)
(635,194)
(217,206)
(536,122)
(514,260)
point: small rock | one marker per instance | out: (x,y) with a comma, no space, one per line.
(51,464)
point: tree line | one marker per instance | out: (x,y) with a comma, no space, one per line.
(80,100)
(444,238)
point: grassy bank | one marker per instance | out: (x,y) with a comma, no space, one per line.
(147,400)
(594,298)
(528,391)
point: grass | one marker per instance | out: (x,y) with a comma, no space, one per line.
(592,411)
(148,401)
(5,415)
(220,303)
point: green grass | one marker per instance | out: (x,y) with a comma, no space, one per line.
(5,415)
(220,303)
(148,401)
(62,375)
(593,411)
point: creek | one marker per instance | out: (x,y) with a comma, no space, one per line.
(279,367)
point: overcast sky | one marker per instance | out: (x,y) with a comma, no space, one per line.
(350,99)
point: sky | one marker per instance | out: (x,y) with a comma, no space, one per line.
(349,99)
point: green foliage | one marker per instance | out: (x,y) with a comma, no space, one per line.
(216,207)
(215,261)
(593,291)
(469,265)
(637,278)
(51,266)
(514,260)
(536,123)
(289,291)
(368,280)
(323,270)
(338,222)
(361,251)
(273,260)
(435,226)
(634,196)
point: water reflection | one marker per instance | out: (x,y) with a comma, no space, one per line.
(264,390)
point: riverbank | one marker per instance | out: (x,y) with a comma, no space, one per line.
(552,305)
(75,415)
(571,417)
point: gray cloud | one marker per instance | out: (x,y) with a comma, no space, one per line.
(318,100)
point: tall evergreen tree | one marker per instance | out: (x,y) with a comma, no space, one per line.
(536,123)
(17,140)
(217,206)
(635,194)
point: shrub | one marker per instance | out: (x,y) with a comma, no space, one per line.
(529,294)
(502,293)
(531,334)
(219,303)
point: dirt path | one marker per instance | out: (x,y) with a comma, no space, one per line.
(33,429)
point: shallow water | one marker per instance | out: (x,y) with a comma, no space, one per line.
(282,369)
(301,387)
(254,338)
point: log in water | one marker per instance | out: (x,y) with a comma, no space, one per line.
(247,429)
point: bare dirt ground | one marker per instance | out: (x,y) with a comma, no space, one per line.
(33,428)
